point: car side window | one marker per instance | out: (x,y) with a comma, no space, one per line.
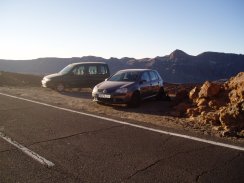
(92,69)
(78,71)
(145,77)
(153,76)
(103,69)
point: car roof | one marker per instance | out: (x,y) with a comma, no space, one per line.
(131,70)
(87,63)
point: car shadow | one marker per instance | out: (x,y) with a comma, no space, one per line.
(149,106)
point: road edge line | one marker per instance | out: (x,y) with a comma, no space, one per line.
(27,151)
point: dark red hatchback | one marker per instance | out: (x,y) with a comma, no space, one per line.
(129,86)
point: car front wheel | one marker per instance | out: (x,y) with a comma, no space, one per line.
(60,87)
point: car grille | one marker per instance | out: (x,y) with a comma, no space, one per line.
(105,100)
(106,90)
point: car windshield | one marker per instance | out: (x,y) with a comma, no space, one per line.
(66,69)
(125,76)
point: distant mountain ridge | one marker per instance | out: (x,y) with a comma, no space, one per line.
(177,67)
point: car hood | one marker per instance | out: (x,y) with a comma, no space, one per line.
(52,76)
(111,86)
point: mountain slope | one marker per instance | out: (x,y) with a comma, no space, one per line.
(178,67)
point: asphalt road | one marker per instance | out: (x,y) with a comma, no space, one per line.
(87,149)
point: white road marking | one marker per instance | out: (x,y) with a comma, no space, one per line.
(27,151)
(133,125)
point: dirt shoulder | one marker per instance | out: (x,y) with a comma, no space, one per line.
(151,112)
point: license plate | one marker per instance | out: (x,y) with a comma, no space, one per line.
(104,96)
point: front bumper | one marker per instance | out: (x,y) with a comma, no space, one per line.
(113,98)
(46,83)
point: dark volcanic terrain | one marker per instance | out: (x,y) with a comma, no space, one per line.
(178,67)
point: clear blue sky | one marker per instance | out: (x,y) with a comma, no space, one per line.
(119,28)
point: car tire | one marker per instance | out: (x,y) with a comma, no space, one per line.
(135,100)
(162,96)
(60,87)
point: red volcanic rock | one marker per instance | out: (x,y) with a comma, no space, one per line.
(236,87)
(220,104)
(232,116)
(201,102)
(193,95)
(209,89)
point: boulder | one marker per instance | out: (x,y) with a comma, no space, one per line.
(201,102)
(211,118)
(217,104)
(236,87)
(193,95)
(209,89)
(236,82)
(236,95)
(232,116)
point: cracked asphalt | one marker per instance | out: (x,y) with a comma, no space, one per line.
(85,149)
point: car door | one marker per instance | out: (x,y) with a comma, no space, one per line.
(77,77)
(155,84)
(92,75)
(103,72)
(145,85)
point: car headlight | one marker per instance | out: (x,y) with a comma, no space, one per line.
(95,89)
(46,79)
(121,90)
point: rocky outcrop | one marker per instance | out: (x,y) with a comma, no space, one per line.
(209,90)
(220,105)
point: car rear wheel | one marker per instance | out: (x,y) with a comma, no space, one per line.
(135,100)
(162,95)
(60,87)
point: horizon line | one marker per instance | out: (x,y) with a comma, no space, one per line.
(120,57)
